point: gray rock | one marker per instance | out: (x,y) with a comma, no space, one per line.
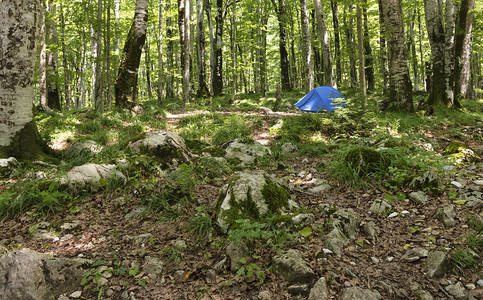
(457,184)
(7,165)
(298,289)
(335,240)
(446,215)
(288,148)
(347,220)
(303,219)
(437,264)
(90,176)
(380,207)
(86,146)
(153,266)
(29,275)
(320,188)
(137,239)
(210,276)
(418,197)
(456,290)
(319,291)
(244,198)
(414,254)
(76,294)
(70,225)
(480,282)
(237,251)
(134,213)
(264,295)
(163,145)
(370,230)
(357,293)
(293,268)
(387,288)
(246,153)
(420,292)
(427,180)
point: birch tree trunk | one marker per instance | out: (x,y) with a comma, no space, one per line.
(97,97)
(217,76)
(200,46)
(126,82)
(450,23)
(463,51)
(400,87)
(360,50)
(169,54)
(161,91)
(325,45)
(18,28)
(382,51)
(184,35)
(64,61)
(434,23)
(207,9)
(335,20)
(307,47)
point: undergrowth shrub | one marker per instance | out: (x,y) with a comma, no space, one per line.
(234,127)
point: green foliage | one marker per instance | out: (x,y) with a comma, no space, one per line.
(234,127)
(200,225)
(209,168)
(276,196)
(251,270)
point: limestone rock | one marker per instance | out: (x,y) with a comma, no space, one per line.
(288,148)
(250,195)
(29,275)
(90,176)
(7,165)
(293,268)
(418,197)
(427,180)
(335,240)
(237,251)
(420,292)
(370,230)
(437,264)
(380,207)
(320,188)
(153,266)
(357,293)
(163,145)
(446,215)
(414,254)
(86,146)
(319,291)
(456,290)
(246,153)
(347,220)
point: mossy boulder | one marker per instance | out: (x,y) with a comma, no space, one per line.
(246,152)
(251,196)
(365,160)
(460,152)
(165,146)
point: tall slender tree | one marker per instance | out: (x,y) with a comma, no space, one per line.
(360,50)
(201,49)
(325,45)
(97,95)
(161,91)
(280,9)
(335,20)
(126,82)
(307,47)
(185,40)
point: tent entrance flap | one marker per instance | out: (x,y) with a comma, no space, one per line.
(322,98)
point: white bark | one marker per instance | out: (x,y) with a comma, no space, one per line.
(307,47)
(325,43)
(18,20)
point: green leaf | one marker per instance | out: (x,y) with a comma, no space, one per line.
(414,229)
(460,202)
(241,271)
(360,242)
(243,260)
(307,231)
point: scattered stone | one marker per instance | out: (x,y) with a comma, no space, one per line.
(250,195)
(375,260)
(335,240)
(480,282)
(390,258)
(380,207)
(470,286)
(448,168)
(210,276)
(393,215)
(134,213)
(446,215)
(293,268)
(420,292)
(319,291)
(327,251)
(303,219)
(36,275)
(164,145)
(237,251)
(457,184)
(347,220)
(288,148)
(429,180)
(246,153)
(76,294)
(460,152)
(88,146)
(418,197)
(320,188)
(326,210)
(456,290)
(153,266)
(137,239)
(405,213)
(7,165)
(219,265)
(478,182)
(63,297)
(370,230)
(91,176)
(70,225)
(387,288)
(414,254)
(299,289)
(264,295)
(180,244)
(357,293)
(437,264)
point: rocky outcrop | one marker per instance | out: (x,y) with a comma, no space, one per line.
(293,268)
(91,176)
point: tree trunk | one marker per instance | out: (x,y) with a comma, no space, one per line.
(169,54)
(284,62)
(148,68)
(184,35)
(307,47)
(450,23)
(53,97)
(335,20)
(400,88)
(360,50)
(434,24)
(97,97)
(43,56)
(64,61)
(201,45)
(463,51)
(369,61)
(126,82)
(18,28)
(108,55)
(383,51)
(414,57)
(233,53)
(161,91)
(351,45)
(325,45)
(217,76)
(207,9)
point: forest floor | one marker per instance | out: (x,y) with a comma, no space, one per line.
(104,233)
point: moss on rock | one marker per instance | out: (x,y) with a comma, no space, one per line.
(27,144)
(460,151)
(276,196)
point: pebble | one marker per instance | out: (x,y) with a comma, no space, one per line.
(456,184)
(327,251)
(76,294)
(480,282)
(392,215)
(448,168)
(390,258)
(470,286)
(405,212)
(375,260)
(479,182)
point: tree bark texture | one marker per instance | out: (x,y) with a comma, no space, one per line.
(184,35)
(207,9)
(400,87)
(325,45)
(360,50)
(307,47)
(450,23)
(97,95)
(383,51)
(18,31)
(335,20)
(351,45)
(368,59)
(201,50)
(161,91)
(217,76)
(463,51)
(284,62)
(126,82)
(64,62)
(169,54)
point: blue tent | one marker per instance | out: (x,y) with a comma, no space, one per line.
(321,98)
